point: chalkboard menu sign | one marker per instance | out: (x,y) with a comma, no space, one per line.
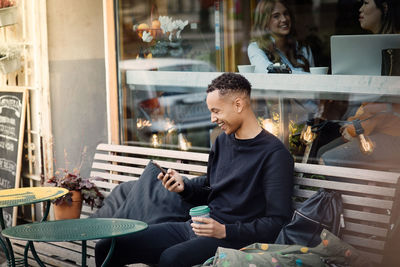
(12,123)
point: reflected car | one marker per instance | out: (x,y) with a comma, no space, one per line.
(160,109)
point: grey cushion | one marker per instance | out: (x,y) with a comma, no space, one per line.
(115,200)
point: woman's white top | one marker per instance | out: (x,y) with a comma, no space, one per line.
(258,58)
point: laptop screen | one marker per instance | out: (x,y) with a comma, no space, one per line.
(360,54)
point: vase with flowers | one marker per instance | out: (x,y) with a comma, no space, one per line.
(81,190)
(163,38)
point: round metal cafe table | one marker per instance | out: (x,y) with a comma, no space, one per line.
(74,230)
(29,195)
(25,196)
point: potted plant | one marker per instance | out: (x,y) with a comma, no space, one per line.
(10,58)
(81,190)
(8,12)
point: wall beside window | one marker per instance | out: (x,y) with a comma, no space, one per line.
(77,80)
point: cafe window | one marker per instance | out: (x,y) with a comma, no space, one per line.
(169,51)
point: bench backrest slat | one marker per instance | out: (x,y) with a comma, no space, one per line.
(145,151)
(349,199)
(113,176)
(365,216)
(117,168)
(368,196)
(345,186)
(345,172)
(109,186)
(364,242)
(120,159)
(366,229)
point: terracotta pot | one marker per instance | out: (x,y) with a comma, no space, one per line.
(64,211)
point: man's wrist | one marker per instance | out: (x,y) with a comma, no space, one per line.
(224,231)
(231,232)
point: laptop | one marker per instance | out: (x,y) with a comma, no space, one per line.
(360,54)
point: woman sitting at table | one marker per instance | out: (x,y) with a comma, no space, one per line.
(379,121)
(380,16)
(273,39)
(273,45)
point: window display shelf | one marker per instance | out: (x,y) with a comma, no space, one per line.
(293,85)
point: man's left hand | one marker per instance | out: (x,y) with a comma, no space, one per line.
(208,227)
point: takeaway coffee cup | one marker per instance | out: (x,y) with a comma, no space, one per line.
(319,70)
(246,68)
(200,211)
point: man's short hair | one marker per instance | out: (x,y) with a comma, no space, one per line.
(230,83)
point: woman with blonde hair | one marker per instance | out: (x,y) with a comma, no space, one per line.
(273,39)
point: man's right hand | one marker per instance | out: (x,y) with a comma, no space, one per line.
(172,181)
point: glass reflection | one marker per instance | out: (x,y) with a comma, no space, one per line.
(215,38)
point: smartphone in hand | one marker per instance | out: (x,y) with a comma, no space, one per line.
(161,168)
(164,172)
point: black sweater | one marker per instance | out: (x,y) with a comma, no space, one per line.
(248,187)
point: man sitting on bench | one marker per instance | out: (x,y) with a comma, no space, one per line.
(248,190)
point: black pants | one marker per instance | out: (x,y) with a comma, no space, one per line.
(168,244)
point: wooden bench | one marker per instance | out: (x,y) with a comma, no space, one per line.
(368,196)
